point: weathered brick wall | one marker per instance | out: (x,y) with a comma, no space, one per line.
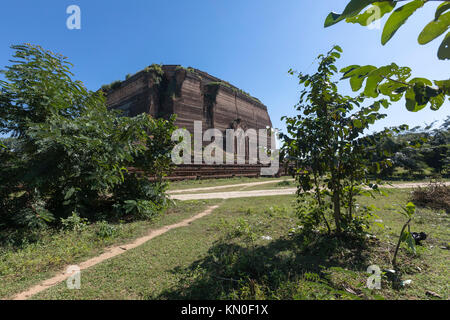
(187,93)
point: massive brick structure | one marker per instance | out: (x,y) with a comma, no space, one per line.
(192,95)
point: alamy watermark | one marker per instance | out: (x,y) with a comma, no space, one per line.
(73,282)
(242,147)
(74,20)
(374,281)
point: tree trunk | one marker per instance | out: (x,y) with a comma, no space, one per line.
(336,203)
(337,209)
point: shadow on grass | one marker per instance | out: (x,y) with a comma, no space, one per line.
(286,268)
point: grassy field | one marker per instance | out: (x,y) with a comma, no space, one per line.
(284,183)
(188,184)
(43,253)
(254,249)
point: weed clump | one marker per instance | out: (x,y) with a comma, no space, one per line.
(435,196)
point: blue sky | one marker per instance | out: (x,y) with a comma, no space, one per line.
(250,43)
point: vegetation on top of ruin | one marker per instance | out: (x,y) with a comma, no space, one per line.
(234,89)
(158,73)
(156,69)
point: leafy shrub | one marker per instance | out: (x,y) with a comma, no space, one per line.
(141,208)
(70,153)
(74,223)
(104,230)
(436,196)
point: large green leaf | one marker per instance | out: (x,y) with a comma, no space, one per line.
(437,102)
(370,15)
(421,80)
(376,77)
(441,9)
(444,48)
(411,103)
(411,242)
(353,7)
(444,85)
(398,18)
(357,76)
(347,70)
(394,90)
(434,29)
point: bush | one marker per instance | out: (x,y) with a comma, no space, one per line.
(436,196)
(105,230)
(69,153)
(74,223)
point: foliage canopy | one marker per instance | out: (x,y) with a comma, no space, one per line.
(393,81)
(68,152)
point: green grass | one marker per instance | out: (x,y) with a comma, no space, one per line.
(285,183)
(188,184)
(49,251)
(254,249)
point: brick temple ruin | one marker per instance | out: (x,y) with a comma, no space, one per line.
(192,95)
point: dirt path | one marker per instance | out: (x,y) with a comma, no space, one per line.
(234,194)
(272,192)
(250,184)
(110,253)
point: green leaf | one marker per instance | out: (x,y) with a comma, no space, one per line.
(421,80)
(411,103)
(357,123)
(410,209)
(353,7)
(404,236)
(434,29)
(398,18)
(437,102)
(411,242)
(444,49)
(374,79)
(392,89)
(338,48)
(359,75)
(69,193)
(347,70)
(374,13)
(332,18)
(45,215)
(441,9)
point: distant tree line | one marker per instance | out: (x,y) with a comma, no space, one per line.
(417,153)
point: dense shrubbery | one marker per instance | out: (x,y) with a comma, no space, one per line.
(67,154)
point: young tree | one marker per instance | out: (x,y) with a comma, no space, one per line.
(326,142)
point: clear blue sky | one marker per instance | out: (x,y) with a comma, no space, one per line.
(250,43)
